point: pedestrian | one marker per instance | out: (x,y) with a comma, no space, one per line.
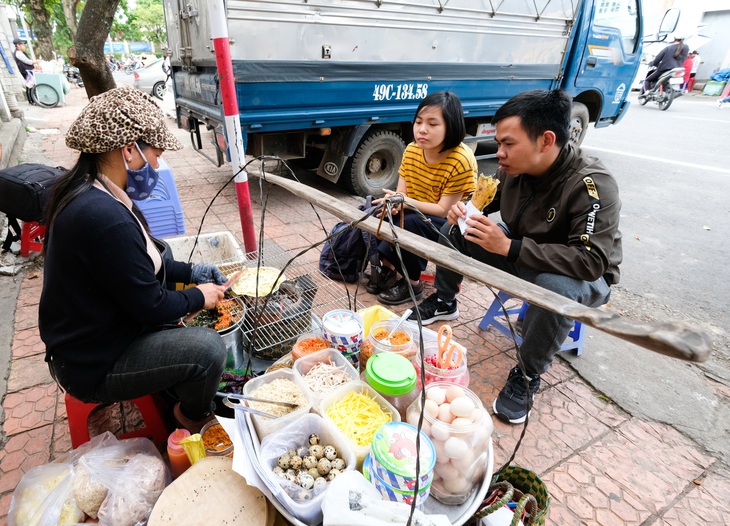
(696,61)
(670,57)
(109,323)
(560,213)
(687,72)
(437,171)
(25,68)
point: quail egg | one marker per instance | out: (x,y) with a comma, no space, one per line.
(314,439)
(324,466)
(339,464)
(295,462)
(309,461)
(317,451)
(306,481)
(330,452)
(332,474)
(284,461)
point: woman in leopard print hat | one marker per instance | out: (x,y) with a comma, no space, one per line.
(109,323)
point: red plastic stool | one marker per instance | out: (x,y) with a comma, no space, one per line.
(31,238)
(78,420)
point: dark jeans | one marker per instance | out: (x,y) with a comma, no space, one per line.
(412,263)
(543,331)
(187,361)
(650,79)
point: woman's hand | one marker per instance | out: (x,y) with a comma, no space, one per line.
(487,234)
(387,193)
(213,294)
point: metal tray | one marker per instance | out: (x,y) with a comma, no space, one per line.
(457,515)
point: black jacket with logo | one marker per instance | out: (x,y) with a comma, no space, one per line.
(566,221)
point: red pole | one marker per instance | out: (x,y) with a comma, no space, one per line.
(234,137)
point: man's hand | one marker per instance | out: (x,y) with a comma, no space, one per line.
(457,211)
(487,234)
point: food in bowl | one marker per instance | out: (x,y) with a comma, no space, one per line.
(278,390)
(215,439)
(228,313)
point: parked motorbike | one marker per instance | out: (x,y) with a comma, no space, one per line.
(665,89)
(133,66)
(73,75)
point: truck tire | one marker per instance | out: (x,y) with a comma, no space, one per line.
(579,120)
(375,163)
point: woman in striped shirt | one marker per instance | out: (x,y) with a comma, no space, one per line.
(436,172)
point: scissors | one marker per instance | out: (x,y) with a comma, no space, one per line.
(447,350)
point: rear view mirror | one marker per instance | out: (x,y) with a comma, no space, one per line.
(669,23)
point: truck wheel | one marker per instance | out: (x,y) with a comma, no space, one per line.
(375,163)
(579,120)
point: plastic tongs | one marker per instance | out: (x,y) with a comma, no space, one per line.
(227,402)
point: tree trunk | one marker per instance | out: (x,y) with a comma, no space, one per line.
(43,47)
(69,12)
(87,53)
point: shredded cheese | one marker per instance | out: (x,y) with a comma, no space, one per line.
(358,416)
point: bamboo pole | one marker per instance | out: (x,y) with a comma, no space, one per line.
(673,338)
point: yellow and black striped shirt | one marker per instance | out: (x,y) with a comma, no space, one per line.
(455,174)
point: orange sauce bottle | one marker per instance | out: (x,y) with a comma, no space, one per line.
(179,461)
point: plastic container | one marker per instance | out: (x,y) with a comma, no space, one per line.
(220,449)
(303,365)
(344,330)
(305,505)
(394,377)
(263,425)
(179,460)
(298,352)
(393,456)
(462,446)
(210,248)
(376,341)
(459,376)
(389,492)
(363,388)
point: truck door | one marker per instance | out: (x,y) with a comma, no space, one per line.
(612,53)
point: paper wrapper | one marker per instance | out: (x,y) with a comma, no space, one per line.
(470,210)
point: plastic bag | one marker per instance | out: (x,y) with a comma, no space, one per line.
(44,497)
(305,505)
(117,480)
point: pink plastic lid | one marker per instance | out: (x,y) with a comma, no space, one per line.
(173,441)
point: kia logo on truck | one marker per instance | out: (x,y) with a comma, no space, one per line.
(330,169)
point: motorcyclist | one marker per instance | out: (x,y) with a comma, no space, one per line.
(670,57)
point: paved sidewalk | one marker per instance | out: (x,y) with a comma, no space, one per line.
(601,465)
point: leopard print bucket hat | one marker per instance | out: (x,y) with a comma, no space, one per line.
(119,117)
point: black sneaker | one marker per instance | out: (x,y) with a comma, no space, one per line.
(434,308)
(381,278)
(399,293)
(511,405)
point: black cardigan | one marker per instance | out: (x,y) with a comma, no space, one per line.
(100,291)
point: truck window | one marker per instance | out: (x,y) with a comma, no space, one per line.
(622,15)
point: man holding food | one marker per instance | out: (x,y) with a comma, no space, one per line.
(560,214)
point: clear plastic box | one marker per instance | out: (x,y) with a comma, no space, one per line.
(362,388)
(265,426)
(303,365)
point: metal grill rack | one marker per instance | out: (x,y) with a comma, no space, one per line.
(272,325)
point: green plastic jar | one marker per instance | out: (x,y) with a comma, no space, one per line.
(394,377)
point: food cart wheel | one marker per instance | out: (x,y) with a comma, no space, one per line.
(46,95)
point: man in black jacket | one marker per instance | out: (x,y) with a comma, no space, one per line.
(25,67)
(560,213)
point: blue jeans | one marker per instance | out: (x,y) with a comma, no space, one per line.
(414,264)
(543,331)
(187,361)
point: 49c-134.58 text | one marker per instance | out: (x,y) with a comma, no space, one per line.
(400,92)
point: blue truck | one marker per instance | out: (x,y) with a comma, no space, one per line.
(337,82)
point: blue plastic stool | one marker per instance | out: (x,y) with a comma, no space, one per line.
(162,209)
(574,340)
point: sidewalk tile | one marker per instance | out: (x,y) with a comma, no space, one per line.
(27,342)
(30,408)
(28,372)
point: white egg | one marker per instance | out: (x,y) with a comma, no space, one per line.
(446,471)
(441,457)
(453,392)
(412,417)
(436,394)
(457,485)
(476,415)
(464,464)
(456,448)
(440,432)
(462,406)
(461,423)
(445,413)
(432,408)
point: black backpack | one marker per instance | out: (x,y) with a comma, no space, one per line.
(26,188)
(343,256)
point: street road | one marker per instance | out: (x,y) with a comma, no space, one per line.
(673,172)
